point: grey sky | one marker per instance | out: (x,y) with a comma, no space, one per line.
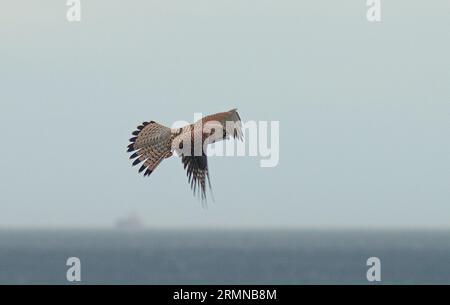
(363,111)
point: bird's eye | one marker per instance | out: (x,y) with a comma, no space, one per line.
(180,145)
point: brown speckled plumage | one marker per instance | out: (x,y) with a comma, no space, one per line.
(152,142)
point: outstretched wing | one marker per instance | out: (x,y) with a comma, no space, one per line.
(150,144)
(222,125)
(236,129)
(197,173)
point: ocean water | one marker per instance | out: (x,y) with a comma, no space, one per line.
(224,257)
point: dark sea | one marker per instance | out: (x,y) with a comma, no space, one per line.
(224,257)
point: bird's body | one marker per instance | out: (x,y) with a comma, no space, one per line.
(153,142)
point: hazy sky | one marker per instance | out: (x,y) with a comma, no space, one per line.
(363,109)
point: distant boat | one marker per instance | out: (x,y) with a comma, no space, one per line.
(131,222)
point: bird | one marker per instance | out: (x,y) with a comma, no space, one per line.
(153,142)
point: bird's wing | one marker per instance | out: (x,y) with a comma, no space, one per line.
(236,132)
(197,173)
(222,125)
(150,144)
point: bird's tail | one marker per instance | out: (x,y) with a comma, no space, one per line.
(150,144)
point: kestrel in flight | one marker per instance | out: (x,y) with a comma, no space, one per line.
(152,142)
